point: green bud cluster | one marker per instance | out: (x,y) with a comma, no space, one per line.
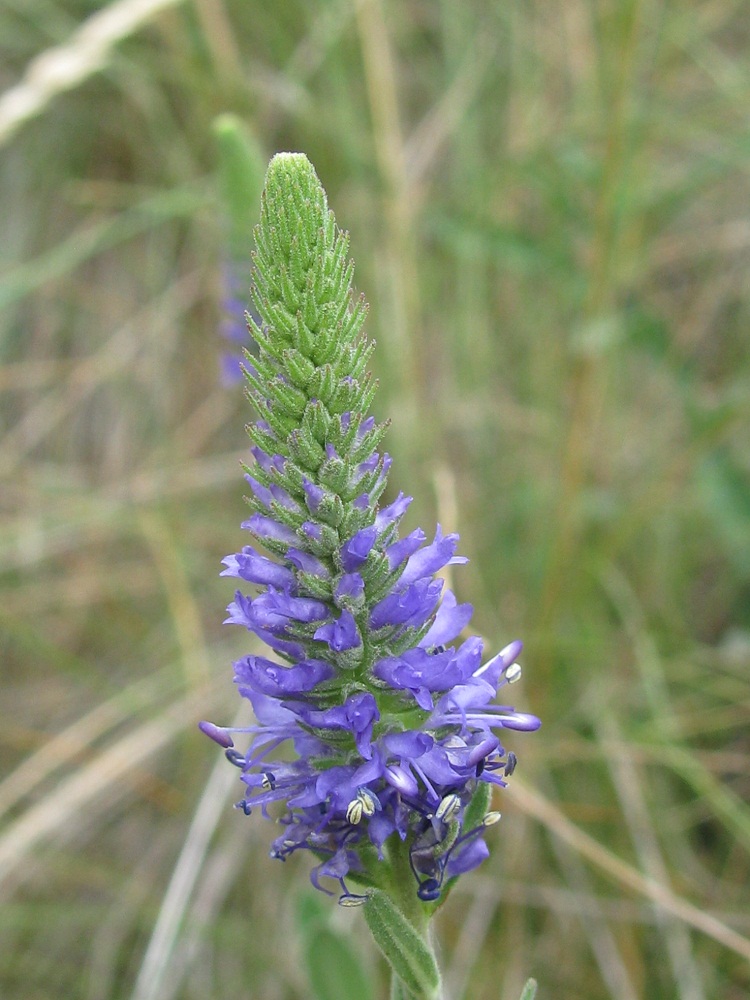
(312,365)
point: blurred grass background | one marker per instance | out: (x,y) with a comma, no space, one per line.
(548,205)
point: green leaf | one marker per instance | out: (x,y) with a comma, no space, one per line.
(529,990)
(334,969)
(403,947)
(311,913)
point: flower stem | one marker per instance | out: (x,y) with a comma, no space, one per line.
(398,990)
(401,891)
(401,887)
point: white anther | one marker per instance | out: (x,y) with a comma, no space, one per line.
(513,673)
(354,811)
(491,818)
(448,808)
(352,900)
(369,802)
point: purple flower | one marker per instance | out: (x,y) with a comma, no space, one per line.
(307,563)
(357,549)
(392,513)
(411,606)
(313,495)
(254,568)
(350,590)
(255,673)
(450,620)
(364,773)
(340,634)
(428,560)
(418,670)
(233,326)
(268,528)
(404,547)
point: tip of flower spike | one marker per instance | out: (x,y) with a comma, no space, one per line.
(288,171)
(217,734)
(286,158)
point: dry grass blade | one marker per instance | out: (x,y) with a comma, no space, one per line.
(613,966)
(71,804)
(441,121)
(65,66)
(685,970)
(117,354)
(150,984)
(96,513)
(534,804)
(66,746)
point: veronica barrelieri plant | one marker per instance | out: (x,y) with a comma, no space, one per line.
(393,727)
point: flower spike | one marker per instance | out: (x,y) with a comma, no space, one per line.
(393,727)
